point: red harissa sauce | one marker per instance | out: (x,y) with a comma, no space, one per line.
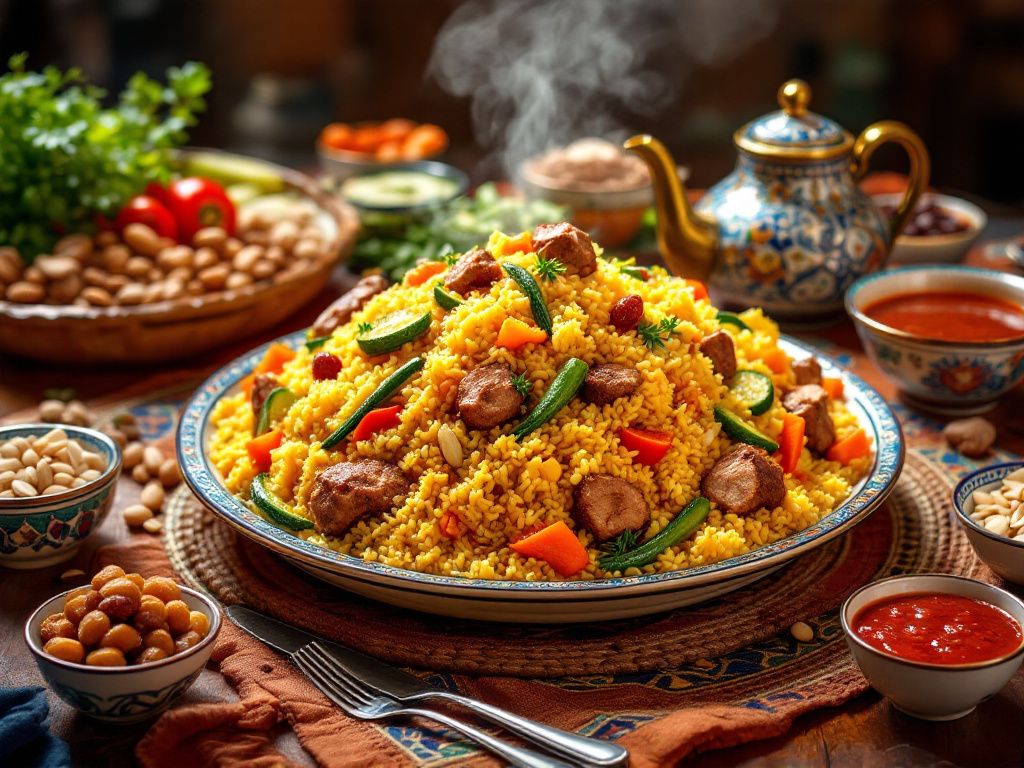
(938,628)
(950,316)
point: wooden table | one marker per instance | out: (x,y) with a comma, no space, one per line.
(866,731)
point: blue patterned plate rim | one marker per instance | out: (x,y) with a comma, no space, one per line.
(1014,281)
(200,476)
(975,481)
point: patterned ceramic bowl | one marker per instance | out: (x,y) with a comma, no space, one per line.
(39,531)
(1000,553)
(944,376)
(935,249)
(123,694)
(932,691)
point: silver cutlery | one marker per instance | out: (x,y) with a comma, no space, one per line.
(359,702)
(407,689)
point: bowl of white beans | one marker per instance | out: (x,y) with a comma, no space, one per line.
(989,505)
(56,485)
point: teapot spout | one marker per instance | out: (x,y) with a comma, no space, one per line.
(687,240)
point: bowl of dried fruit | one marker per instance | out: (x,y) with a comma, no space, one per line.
(123,647)
(942,228)
(231,247)
(57,484)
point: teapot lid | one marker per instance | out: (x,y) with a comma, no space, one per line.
(793,132)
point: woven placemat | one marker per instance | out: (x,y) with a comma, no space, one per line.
(912,532)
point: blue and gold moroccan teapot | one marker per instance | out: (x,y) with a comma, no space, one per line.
(789,229)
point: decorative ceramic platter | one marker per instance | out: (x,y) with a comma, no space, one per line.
(546,602)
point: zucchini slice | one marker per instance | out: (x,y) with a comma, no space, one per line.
(741,431)
(270,504)
(755,390)
(274,408)
(729,318)
(393,330)
(444,299)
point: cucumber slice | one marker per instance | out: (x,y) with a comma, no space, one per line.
(529,286)
(234,169)
(314,344)
(755,390)
(274,408)
(270,504)
(728,318)
(444,299)
(741,431)
(386,389)
(393,330)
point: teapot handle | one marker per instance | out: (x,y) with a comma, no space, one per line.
(920,166)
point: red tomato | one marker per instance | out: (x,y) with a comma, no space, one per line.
(650,446)
(158,191)
(143,209)
(197,203)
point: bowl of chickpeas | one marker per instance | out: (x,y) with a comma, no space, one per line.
(121,648)
(57,484)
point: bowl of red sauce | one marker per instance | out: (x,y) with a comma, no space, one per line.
(937,645)
(951,338)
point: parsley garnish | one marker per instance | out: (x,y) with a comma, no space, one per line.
(549,269)
(520,383)
(451,258)
(621,544)
(364,328)
(655,336)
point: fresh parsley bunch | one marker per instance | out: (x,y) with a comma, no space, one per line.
(65,158)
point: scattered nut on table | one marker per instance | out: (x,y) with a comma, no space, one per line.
(971,437)
(802,632)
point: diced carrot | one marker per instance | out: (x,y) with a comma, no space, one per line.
(522,243)
(557,545)
(551,470)
(700,290)
(419,274)
(791,441)
(377,420)
(777,360)
(275,358)
(246,384)
(451,526)
(850,448)
(650,446)
(515,333)
(259,448)
(834,387)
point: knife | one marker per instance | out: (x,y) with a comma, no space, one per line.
(406,688)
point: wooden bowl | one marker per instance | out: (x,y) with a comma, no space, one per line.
(180,328)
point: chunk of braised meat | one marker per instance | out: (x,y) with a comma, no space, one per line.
(607,382)
(718,347)
(570,245)
(342,309)
(808,371)
(476,269)
(744,481)
(606,506)
(262,386)
(345,492)
(487,397)
(810,403)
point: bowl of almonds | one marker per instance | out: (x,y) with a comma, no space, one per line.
(57,484)
(131,295)
(990,508)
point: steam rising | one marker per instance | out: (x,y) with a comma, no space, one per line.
(545,72)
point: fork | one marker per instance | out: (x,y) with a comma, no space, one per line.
(360,703)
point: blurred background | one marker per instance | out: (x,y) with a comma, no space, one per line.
(505,78)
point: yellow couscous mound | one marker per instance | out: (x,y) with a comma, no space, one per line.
(506,487)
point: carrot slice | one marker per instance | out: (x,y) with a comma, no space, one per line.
(246,384)
(515,333)
(850,448)
(834,387)
(557,545)
(376,421)
(419,274)
(650,446)
(259,448)
(275,358)
(521,243)
(791,441)
(776,360)
(700,291)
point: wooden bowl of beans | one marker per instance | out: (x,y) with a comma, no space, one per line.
(123,647)
(135,298)
(57,483)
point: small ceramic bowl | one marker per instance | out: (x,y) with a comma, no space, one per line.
(1000,553)
(39,531)
(123,694)
(936,249)
(426,167)
(932,691)
(341,163)
(950,377)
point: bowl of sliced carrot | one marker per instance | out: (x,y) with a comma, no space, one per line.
(346,150)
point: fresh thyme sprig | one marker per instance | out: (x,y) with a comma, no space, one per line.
(549,269)
(655,335)
(520,383)
(620,545)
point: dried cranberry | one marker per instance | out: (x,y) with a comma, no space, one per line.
(626,313)
(326,366)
